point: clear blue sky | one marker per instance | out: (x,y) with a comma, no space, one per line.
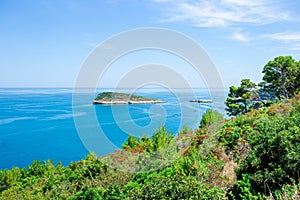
(44,42)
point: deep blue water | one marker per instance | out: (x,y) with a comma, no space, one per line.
(38,124)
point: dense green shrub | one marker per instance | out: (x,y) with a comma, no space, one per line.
(160,139)
(237,129)
(274,158)
(175,187)
(210,117)
(185,130)
(87,193)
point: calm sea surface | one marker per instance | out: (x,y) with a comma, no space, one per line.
(38,124)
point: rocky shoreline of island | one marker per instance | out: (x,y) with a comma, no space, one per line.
(127,102)
(110,98)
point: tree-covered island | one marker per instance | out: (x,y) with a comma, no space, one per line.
(123,98)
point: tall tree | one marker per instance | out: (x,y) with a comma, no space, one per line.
(293,85)
(240,99)
(281,77)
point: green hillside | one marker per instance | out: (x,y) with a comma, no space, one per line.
(253,155)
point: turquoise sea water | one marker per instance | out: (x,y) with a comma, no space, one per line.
(38,124)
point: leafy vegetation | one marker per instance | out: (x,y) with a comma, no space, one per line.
(239,99)
(282,77)
(161,137)
(281,80)
(255,155)
(210,117)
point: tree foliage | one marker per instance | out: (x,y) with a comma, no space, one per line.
(160,138)
(210,117)
(240,99)
(281,80)
(281,77)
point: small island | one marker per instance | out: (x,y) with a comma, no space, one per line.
(123,98)
(201,100)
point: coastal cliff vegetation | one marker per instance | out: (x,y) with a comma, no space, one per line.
(253,155)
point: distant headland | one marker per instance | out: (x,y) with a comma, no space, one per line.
(123,98)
